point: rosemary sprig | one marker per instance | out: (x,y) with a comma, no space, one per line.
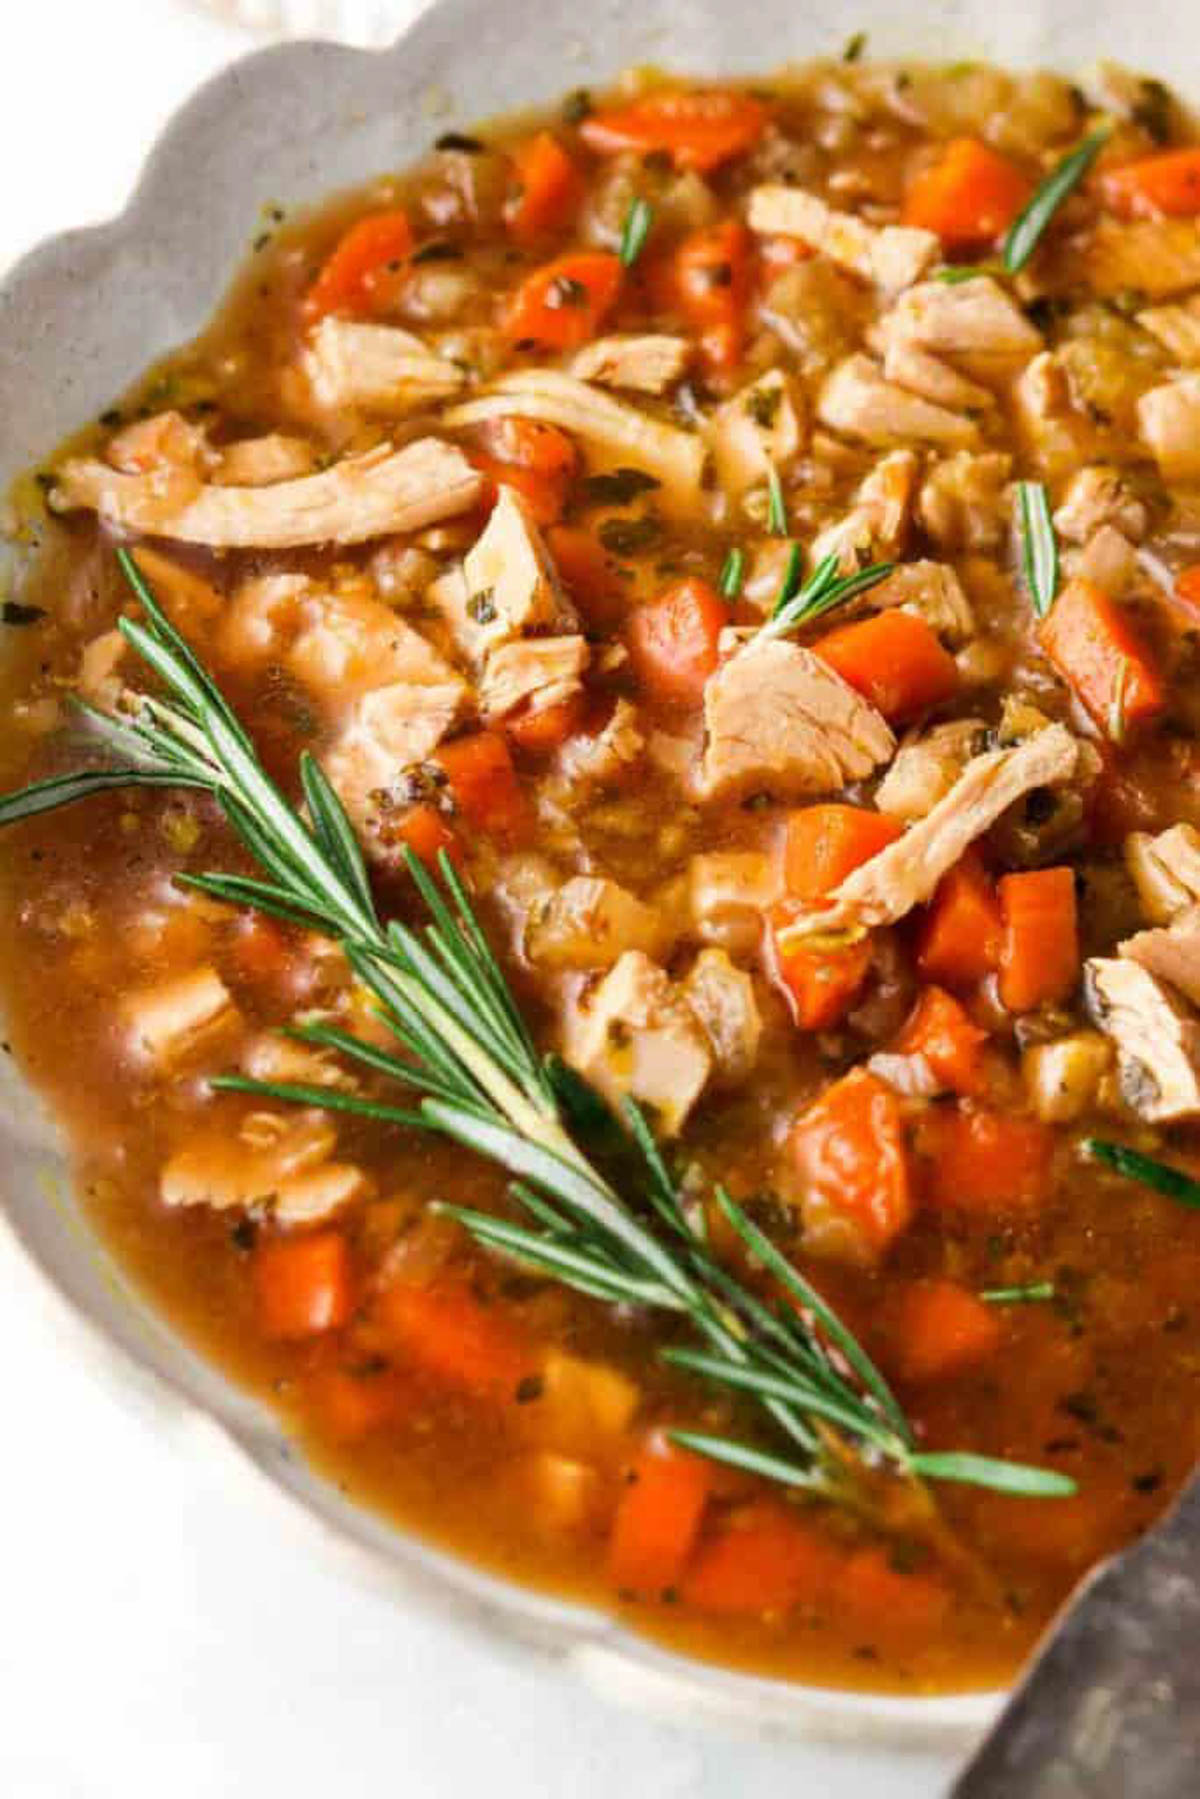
(777,519)
(1131,1163)
(1026,231)
(1031,1294)
(634,232)
(797,606)
(1039,546)
(465,1053)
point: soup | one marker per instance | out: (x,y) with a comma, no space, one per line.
(630,956)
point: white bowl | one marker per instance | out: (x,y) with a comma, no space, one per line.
(80,317)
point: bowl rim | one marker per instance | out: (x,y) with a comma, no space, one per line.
(249,1441)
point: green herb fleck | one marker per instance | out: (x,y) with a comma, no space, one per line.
(777,519)
(1019,1296)
(628,536)
(1153,109)
(619,486)
(854,47)
(13,613)
(482,606)
(733,573)
(458,140)
(638,222)
(763,403)
(577,107)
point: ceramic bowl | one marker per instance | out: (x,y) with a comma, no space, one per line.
(78,319)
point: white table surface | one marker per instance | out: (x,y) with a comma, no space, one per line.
(157,1638)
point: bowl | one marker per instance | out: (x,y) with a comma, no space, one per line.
(78,318)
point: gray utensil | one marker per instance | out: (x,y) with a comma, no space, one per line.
(1110,1708)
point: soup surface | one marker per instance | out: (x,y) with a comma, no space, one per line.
(752,535)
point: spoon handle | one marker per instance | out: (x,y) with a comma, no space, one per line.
(1110,1708)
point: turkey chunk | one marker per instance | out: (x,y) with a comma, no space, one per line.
(372,495)
(386,731)
(277,1162)
(1156,257)
(876,527)
(1157,1038)
(892,256)
(647,364)
(508,584)
(676,457)
(1171,953)
(175,1020)
(262,461)
(635,1035)
(722,998)
(927,767)
(1169,421)
(780,720)
(1165,870)
(348,643)
(1095,497)
(607,755)
(858,401)
(756,431)
(933,592)
(729,892)
(1177,328)
(975,319)
(905,874)
(928,376)
(376,368)
(545,671)
(962,503)
(590,922)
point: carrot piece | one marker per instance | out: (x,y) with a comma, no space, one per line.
(1187,591)
(539,460)
(1167,183)
(259,948)
(424,831)
(548,188)
(540,733)
(823,844)
(353,1406)
(821,981)
(959,938)
(362,274)
(764,1560)
(673,641)
(303,1285)
(969,197)
(698,130)
(894,660)
(1039,960)
(942,1031)
(850,1153)
(1097,652)
(658,1519)
(940,1328)
(888,1601)
(485,787)
(986,1161)
(445,1331)
(588,572)
(709,282)
(561,305)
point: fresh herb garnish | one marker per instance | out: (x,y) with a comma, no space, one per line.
(1027,229)
(1153,109)
(1116,722)
(629,536)
(955,272)
(1019,1296)
(465,1053)
(635,231)
(1131,1163)
(577,107)
(824,589)
(854,47)
(459,140)
(1039,546)
(733,573)
(12,612)
(777,520)
(619,486)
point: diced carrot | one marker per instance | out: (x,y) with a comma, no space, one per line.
(589,573)
(710,285)
(1168,183)
(850,1152)
(765,1560)
(425,832)
(548,188)
(540,733)
(259,948)
(940,1328)
(942,1031)
(986,1161)
(823,844)
(365,270)
(969,197)
(658,1519)
(485,787)
(303,1285)
(894,660)
(960,936)
(1039,960)
(821,981)
(353,1406)
(1187,592)
(889,1602)
(673,641)
(698,130)
(539,460)
(1097,652)
(449,1334)
(564,303)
